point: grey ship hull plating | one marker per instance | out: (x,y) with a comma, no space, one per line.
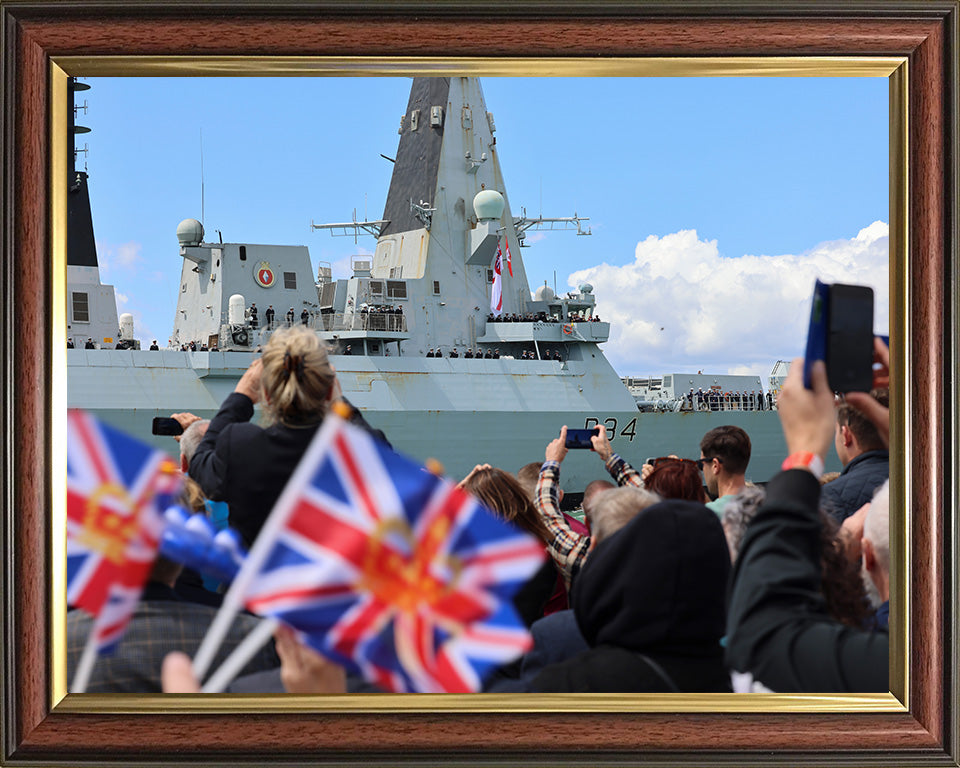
(458,411)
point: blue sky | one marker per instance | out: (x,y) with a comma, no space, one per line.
(713,202)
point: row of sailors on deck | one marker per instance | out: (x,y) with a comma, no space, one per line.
(715,400)
(490,354)
(541,317)
(493,354)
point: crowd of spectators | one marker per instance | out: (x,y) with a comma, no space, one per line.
(681,576)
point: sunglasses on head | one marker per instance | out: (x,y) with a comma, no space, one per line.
(664,459)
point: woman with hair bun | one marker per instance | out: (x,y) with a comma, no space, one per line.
(247,465)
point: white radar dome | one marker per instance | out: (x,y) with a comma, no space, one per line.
(126,326)
(488,204)
(236,309)
(190,232)
(586,288)
(544,293)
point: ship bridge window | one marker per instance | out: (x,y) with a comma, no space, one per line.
(396,271)
(668,381)
(489,275)
(243,253)
(436,287)
(396,289)
(290,281)
(81,308)
(376,288)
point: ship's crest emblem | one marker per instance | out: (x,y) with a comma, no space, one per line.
(264,275)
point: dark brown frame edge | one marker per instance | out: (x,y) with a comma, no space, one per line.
(32,33)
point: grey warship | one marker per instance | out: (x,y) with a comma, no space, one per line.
(426,288)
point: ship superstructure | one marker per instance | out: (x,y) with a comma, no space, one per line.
(402,323)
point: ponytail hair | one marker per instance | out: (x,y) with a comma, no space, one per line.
(296,376)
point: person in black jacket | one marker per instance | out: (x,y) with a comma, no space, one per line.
(866,461)
(650,604)
(248,466)
(778,628)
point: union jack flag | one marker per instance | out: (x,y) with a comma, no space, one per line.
(388,570)
(117,488)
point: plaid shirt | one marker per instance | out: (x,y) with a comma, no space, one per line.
(568,548)
(158,626)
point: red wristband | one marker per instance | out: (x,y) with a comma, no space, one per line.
(804,460)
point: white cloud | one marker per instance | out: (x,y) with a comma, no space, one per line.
(680,306)
(122,298)
(128,254)
(125,256)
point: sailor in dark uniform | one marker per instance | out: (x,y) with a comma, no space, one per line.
(69,343)
(468,353)
(557,356)
(454,353)
(154,347)
(254,320)
(430,352)
(304,316)
(269,315)
(290,316)
(89,344)
(488,355)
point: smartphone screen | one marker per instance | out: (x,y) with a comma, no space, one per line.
(580,438)
(850,338)
(163,425)
(841,334)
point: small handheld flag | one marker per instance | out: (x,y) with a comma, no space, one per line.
(387,569)
(116,489)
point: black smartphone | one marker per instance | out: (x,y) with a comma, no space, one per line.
(651,460)
(841,334)
(580,438)
(163,425)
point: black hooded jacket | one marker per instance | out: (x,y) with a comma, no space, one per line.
(650,602)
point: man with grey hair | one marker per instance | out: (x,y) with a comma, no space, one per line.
(875,546)
(614,508)
(190,439)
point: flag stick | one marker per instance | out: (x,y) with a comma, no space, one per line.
(262,547)
(240,656)
(89,657)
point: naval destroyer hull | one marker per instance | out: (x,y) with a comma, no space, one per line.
(462,412)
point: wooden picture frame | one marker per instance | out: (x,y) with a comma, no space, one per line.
(918,725)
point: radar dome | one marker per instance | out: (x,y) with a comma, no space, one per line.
(544,293)
(488,204)
(586,288)
(190,232)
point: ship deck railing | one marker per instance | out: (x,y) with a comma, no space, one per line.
(349,321)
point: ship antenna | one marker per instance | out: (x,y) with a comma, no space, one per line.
(203,217)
